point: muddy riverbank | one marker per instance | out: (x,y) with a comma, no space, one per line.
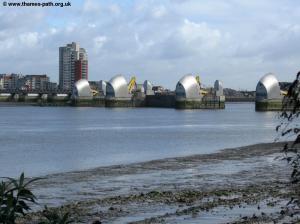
(239,185)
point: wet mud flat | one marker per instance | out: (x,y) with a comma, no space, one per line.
(241,185)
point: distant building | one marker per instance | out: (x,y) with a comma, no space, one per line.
(52,86)
(95,85)
(9,81)
(158,89)
(12,82)
(81,66)
(73,65)
(81,69)
(35,82)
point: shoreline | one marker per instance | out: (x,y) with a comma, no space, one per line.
(173,162)
(230,185)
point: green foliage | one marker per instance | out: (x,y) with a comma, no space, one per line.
(289,128)
(14,198)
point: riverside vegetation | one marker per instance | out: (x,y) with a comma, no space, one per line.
(289,128)
(15,200)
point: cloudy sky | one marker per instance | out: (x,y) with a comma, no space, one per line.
(236,41)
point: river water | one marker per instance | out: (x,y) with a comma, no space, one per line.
(46,140)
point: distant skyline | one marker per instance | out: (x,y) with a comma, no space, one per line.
(234,41)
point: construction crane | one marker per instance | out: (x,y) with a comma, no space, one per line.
(132,84)
(94,92)
(198,80)
(202,91)
(284,93)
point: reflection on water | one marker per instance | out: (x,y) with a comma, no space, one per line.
(42,140)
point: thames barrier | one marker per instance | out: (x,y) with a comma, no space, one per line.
(270,93)
(117,92)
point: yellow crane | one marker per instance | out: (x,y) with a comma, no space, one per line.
(94,92)
(198,80)
(132,84)
(284,93)
(202,91)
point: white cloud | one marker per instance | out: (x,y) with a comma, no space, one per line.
(200,35)
(159,11)
(99,41)
(92,25)
(115,8)
(7,44)
(30,39)
(91,6)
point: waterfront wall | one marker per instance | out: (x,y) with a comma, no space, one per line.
(88,102)
(268,105)
(137,100)
(211,103)
(164,101)
(272,105)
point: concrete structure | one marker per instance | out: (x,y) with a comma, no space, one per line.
(82,90)
(268,88)
(139,89)
(72,65)
(148,88)
(189,95)
(218,88)
(4,97)
(117,88)
(102,87)
(117,93)
(188,88)
(268,94)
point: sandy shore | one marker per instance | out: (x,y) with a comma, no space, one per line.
(239,185)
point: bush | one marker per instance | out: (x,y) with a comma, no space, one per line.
(15,200)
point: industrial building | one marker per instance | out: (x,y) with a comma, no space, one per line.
(117,92)
(189,94)
(82,90)
(117,88)
(268,88)
(148,88)
(102,87)
(269,95)
(218,87)
(188,88)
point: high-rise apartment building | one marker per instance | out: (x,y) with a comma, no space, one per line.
(73,65)
(81,66)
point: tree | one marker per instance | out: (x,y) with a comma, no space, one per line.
(289,128)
